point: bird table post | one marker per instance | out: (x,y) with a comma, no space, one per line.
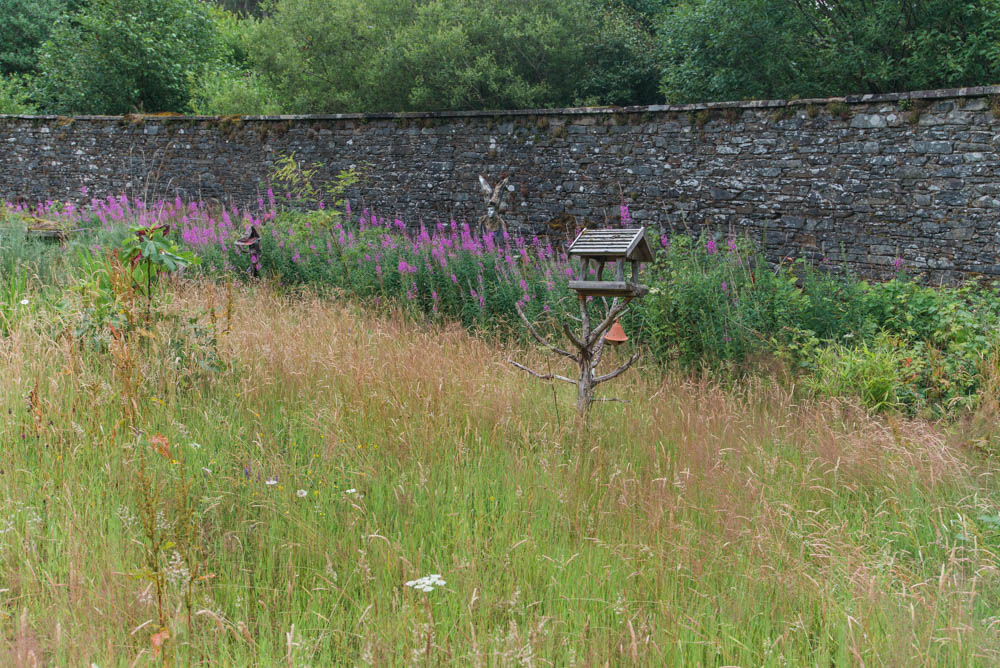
(616,246)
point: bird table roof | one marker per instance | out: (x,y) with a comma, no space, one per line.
(628,244)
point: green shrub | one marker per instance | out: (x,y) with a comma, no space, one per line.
(877,374)
(15,96)
(118,56)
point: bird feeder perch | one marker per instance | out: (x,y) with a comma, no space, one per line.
(615,247)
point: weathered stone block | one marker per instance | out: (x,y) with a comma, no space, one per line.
(932,146)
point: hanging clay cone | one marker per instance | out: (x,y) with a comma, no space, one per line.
(616,335)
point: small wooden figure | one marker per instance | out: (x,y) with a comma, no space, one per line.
(252,243)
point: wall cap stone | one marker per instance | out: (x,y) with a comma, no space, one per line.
(943,93)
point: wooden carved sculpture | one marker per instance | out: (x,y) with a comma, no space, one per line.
(495,204)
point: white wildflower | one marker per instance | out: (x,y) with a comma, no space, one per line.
(271,481)
(302,493)
(176,570)
(24,302)
(427,583)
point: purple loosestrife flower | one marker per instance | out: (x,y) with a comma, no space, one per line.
(725,288)
(626,216)
(897,264)
(710,246)
(732,245)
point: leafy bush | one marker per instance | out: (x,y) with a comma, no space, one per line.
(117,56)
(396,55)
(231,86)
(878,374)
(756,49)
(15,96)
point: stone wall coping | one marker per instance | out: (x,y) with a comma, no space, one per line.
(943,93)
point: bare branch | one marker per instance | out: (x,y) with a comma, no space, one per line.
(541,339)
(598,354)
(617,372)
(621,401)
(543,376)
(572,337)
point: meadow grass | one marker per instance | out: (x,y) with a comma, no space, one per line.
(693,525)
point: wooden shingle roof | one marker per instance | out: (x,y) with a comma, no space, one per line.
(628,244)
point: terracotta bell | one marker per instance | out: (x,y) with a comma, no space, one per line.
(616,335)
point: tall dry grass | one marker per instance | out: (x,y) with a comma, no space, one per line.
(694,524)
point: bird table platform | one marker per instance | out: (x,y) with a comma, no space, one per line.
(616,247)
(48,230)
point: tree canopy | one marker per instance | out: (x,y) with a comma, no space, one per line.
(314,56)
(395,55)
(115,56)
(742,49)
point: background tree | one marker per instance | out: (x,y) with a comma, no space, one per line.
(742,49)
(395,55)
(116,56)
(15,97)
(24,25)
(250,7)
(230,85)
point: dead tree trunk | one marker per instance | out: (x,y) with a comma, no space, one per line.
(589,350)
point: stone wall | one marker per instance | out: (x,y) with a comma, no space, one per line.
(859,181)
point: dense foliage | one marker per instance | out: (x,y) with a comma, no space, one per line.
(24,25)
(714,304)
(743,49)
(15,96)
(395,55)
(117,56)
(312,56)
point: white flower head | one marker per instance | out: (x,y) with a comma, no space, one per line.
(302,493)
(271,481)
(24,302)
(206,470)
(350,491)
(426,583)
